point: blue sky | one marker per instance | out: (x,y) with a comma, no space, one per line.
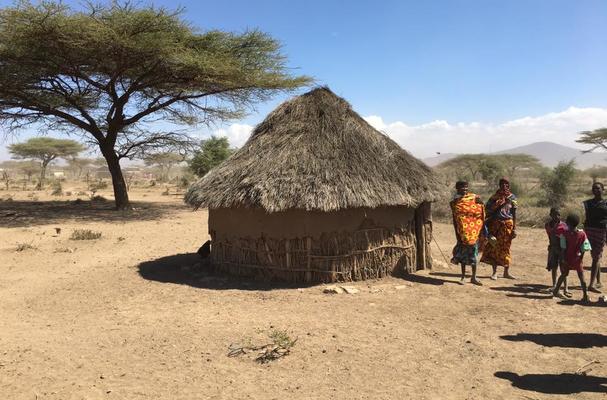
(419,63)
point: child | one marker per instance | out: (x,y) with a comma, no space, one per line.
(574,244)
(555,228)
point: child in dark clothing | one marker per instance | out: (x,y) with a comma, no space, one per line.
(574,244)
(555,228)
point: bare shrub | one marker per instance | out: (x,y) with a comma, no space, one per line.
(280,346)
(25,246)
(57,189)
(63,250)
(85,234)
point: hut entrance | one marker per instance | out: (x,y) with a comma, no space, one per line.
(423,234)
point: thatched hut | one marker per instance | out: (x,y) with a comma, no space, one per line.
(318,195)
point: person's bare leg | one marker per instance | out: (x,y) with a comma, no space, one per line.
(566,291)
(580,275)
(463,280)
(554,272)
(474,280)
(507,273)
(494,275)
(559,282)
(594,276)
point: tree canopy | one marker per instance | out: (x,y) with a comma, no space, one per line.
(556,182)
(489,167)
(45,150)
(110,71)
(596,138)
(164,161)
(212,152)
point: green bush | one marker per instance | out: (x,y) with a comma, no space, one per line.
(556,184)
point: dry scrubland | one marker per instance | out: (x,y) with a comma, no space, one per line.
(124,317)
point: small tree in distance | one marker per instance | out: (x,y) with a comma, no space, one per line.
(45,150)
(212,152)
(164,161)
(555,183)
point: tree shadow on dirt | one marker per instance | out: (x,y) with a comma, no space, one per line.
(184,269)
(565,383)
(15,214)
(573,340)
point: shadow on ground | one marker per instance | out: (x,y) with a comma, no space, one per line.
(522,288)
(424,279)
(182,269)
(530,296)
(31,213)
(565,383)
(575,340)
(579,303)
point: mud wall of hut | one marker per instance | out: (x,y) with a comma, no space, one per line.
(301,246)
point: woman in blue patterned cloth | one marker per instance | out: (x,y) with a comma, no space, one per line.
(595,227)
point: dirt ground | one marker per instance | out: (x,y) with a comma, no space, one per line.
(123,317)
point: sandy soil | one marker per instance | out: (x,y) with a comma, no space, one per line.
(122,317)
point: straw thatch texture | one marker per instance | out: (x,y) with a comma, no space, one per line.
(315,153)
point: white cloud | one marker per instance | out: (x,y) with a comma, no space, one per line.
(474,137)
(426,139)
(237,134)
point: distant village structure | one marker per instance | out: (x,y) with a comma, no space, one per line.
(318,195)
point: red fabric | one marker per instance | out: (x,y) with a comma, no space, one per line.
(556,230)
(573,253)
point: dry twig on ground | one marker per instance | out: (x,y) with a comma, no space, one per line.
(279,347)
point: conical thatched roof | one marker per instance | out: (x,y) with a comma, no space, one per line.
(314,152)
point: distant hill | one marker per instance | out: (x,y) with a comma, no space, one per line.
(549,154)
(434,161)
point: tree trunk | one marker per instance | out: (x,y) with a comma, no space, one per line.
(42,175)
(121,194)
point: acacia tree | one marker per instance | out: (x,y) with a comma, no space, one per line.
(45,150)
(556,182)
(513,163)
(596,138)
(78,164)
(164,161)
(212,152)
(110,71)
(464,165)
(27,168)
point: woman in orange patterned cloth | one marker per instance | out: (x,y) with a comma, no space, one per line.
(469,222)
(501,224)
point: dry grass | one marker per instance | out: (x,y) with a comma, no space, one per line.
(85,234)
(25,246)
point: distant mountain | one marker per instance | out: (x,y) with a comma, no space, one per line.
(549,154)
